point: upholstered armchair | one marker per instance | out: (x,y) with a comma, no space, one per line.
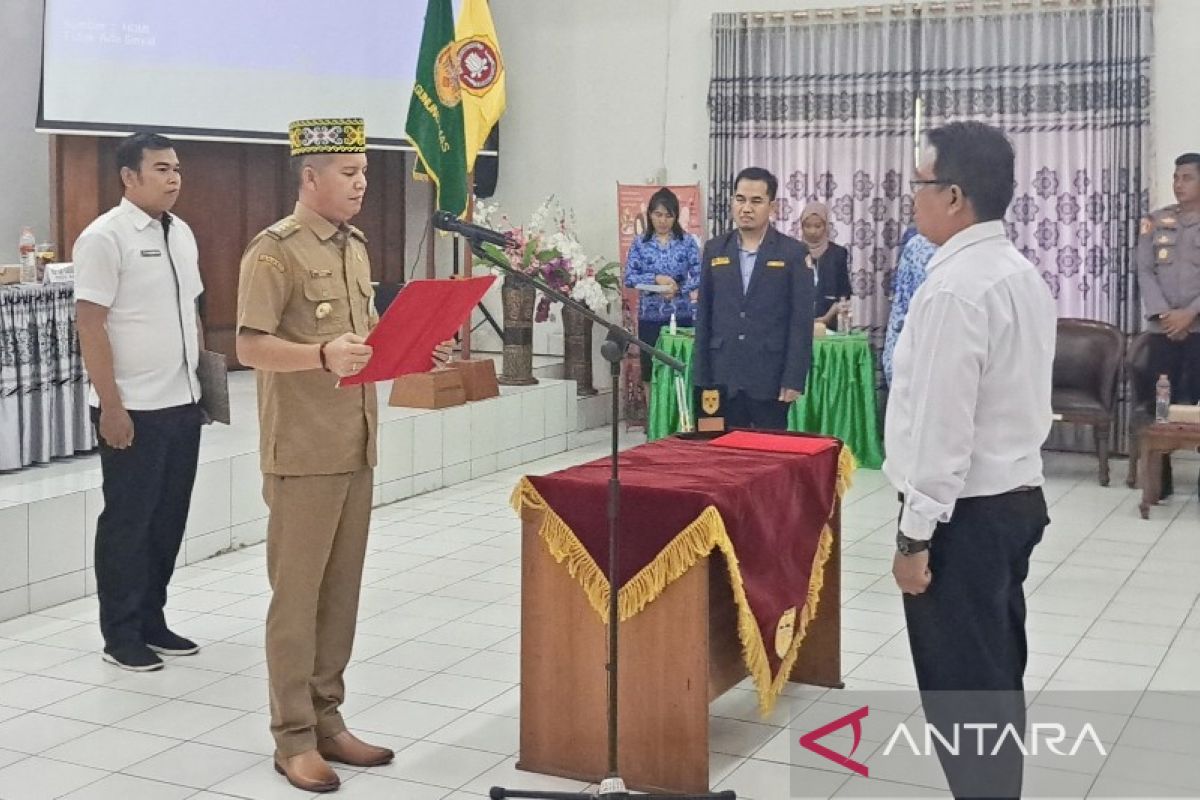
(1087,362)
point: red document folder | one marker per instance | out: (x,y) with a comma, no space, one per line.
(424,314)
(749,440)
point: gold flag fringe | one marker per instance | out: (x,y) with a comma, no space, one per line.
(693,543)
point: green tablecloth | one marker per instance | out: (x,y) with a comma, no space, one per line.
(839,401)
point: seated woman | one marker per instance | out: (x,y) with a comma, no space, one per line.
(830,262)
(664,256)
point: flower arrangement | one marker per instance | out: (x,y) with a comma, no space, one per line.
(547,248)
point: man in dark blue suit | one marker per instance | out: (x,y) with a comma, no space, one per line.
(754,318)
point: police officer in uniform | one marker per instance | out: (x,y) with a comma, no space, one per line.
(1168,260)
(754,317)
(304,310)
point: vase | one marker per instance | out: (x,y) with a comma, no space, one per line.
(517,299)
(577,351)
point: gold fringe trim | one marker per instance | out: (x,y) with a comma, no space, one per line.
(693,543)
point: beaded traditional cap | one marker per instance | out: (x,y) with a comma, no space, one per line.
(313,136)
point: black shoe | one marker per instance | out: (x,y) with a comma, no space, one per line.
(133,657)
(170,644)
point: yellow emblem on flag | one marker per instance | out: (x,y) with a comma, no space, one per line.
(710,401)
(448,90)
(480,74)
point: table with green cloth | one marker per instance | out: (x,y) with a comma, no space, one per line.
(839,400)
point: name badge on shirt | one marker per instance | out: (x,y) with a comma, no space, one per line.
(151,253)
(776,264)
(719,261)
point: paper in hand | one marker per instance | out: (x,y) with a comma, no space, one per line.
(424,314)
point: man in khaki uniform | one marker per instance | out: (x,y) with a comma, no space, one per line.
(1168,260)
(304,310)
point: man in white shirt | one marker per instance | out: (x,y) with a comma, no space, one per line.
(136,286)
(967,415)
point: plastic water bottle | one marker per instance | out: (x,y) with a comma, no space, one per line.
(843,318)
(672,327)
(1162,399)
(27,246)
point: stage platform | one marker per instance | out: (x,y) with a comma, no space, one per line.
(48,513)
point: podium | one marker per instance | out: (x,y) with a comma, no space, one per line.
(677,655)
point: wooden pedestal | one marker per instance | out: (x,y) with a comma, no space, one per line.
(440,388)
(676,656)
(478,378)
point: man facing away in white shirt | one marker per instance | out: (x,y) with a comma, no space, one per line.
(967,415)
(137,279)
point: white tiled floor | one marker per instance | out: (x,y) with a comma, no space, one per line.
(1113,603)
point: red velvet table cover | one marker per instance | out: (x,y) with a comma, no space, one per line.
(769,514)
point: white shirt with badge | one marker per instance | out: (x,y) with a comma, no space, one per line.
(124,262)
(969,407)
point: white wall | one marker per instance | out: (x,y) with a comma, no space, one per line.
(1176,112)
(24,155)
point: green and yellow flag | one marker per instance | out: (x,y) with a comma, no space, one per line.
(435,113)
(481,74)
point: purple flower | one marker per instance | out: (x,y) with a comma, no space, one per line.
(1095,261)
(863,233)
(1031,255)
(826,185)
(1046,183)
(1095,208)
(1047,234)
(1025,209)
(843,209)
(862,185)
(797,184)
(879,209)
(1069,262)
(891,233)
(1068,207)
(1082,182)
(861,284)
(891,185)
(880,259)
(783,209)
(1053,283)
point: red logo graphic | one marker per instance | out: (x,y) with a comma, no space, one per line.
(853,719)
(478,65)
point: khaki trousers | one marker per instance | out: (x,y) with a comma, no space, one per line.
(316,543)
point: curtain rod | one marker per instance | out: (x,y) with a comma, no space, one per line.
(936,7)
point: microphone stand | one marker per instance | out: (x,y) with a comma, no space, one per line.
(616,342)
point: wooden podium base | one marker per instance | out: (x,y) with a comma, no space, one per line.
(478,378)
(680,653)
(440,388)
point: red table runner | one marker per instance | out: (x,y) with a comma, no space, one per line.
(767,512)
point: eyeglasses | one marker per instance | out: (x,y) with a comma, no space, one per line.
(915,185)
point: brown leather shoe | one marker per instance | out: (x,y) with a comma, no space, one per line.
(346,748)
(308,771)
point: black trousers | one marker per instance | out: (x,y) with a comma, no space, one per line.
(147,492)
(743,411)
(967,635)
(1180,362)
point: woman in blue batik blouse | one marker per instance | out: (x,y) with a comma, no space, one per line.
(665,256)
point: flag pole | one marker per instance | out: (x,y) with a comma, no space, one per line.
(468,259)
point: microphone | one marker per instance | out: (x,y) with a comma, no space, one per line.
(445,221)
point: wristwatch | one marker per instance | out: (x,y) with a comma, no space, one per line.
(908,547)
